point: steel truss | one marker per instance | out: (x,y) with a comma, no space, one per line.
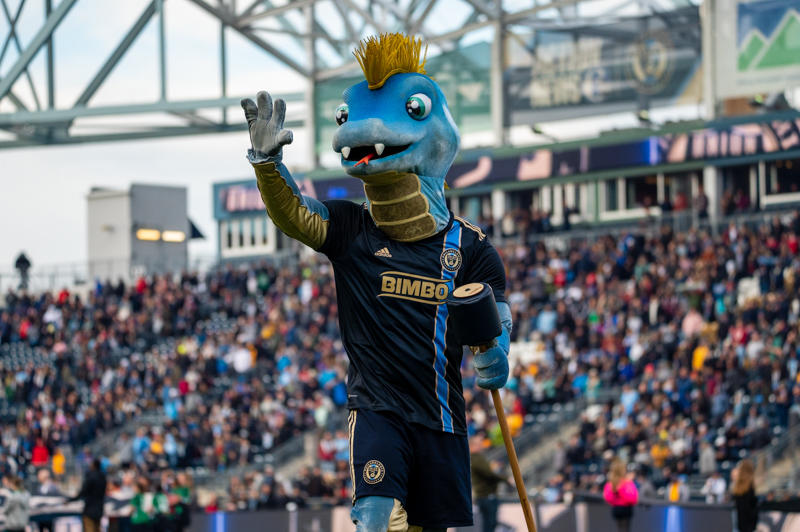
(321,36)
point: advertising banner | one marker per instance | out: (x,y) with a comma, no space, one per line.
(757,46)
(711,145)
(557,74)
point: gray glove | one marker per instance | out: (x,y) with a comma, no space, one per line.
(267,136)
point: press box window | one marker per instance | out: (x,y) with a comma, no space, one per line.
(641,191)
(782,177)
(612,200)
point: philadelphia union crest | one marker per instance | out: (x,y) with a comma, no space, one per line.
(373,472)
(451,259)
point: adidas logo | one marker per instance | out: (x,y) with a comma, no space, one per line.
(383,253)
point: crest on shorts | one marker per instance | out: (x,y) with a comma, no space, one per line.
(373,472)
(451,259)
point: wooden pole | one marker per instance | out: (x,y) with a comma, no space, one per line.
(512,458)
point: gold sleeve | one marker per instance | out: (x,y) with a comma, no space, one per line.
(287,209)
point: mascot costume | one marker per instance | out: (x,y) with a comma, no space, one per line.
(395,260)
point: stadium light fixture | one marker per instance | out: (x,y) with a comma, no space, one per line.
(148,234)
(173,236)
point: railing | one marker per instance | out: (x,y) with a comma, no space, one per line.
(781,448)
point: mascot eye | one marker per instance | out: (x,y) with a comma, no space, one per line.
(418,106)
(341,114)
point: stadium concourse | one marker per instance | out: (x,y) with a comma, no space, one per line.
(240,359)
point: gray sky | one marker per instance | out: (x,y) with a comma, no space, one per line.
(43,190)
(43,198)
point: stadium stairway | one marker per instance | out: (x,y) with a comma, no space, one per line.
(777,465)
(544,429)
(286,459)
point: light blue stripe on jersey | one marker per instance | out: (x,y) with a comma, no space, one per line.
(451,240)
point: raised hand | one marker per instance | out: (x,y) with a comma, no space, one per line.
(267,136)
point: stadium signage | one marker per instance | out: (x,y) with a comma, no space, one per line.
(756,47)
(714,145)
(242,198)
(558,73)
(561,73)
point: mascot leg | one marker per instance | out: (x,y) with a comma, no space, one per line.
(379,514)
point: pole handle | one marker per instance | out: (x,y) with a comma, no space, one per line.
(512,458)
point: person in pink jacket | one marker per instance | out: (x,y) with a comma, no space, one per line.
(621,494)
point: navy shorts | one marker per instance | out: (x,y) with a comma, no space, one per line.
(426,470)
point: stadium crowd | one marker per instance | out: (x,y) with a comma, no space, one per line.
(241,359)
(707,328)
(229,370)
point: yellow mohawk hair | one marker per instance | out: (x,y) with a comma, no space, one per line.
(389,54)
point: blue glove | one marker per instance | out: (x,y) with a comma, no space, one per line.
(492,364)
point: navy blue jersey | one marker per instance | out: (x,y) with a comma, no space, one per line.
(392,314)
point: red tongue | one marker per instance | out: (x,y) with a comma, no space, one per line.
(366,159)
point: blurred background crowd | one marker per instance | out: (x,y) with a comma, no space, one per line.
(210,372)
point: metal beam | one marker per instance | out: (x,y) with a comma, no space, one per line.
(162,49)
(348,26)
(116,55)
(16,101)
(13,36)
(36,43)
(249,9)
(394,8)
(57,116)
(248,34)
(12,32)
(274,11)
(365,15)
(300,38)
(143,135)
(421,20)
(51,73)
(482,8)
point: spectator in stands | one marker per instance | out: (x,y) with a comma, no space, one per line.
(708,459)
(93,494)
(40,456)
(326,452)
(140,507)
(180,499)
(677,490)
(160,347)
(59,463)
(700,203)
(162,516)
(47,488)
(646,488)
(16,507)
(715,489)
(621,494)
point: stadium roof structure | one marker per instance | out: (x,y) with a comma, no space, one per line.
(313,39)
